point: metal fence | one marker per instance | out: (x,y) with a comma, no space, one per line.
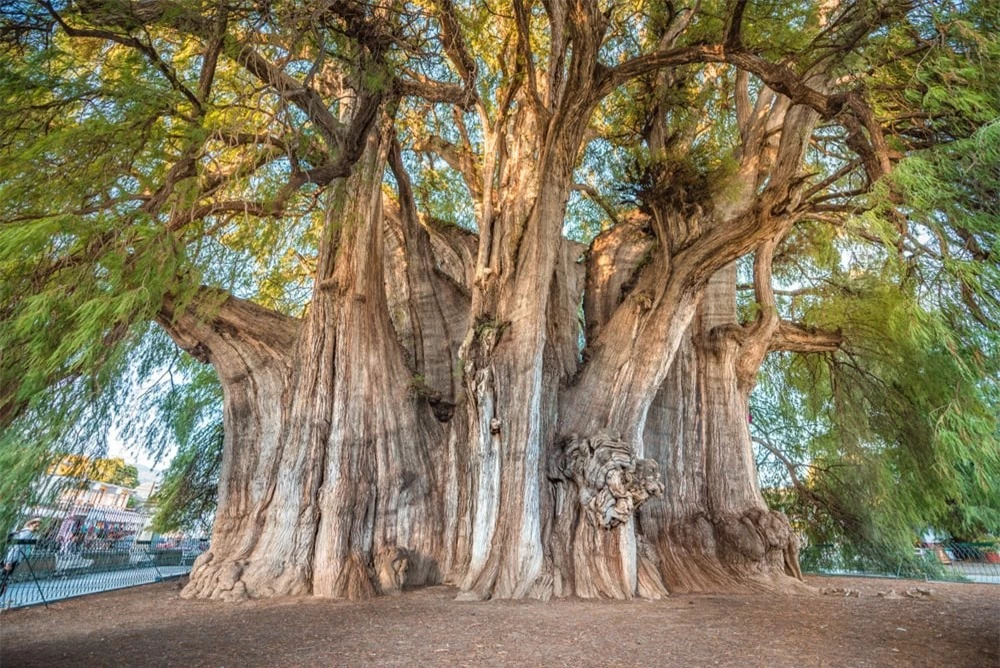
(949,561)
(78,549)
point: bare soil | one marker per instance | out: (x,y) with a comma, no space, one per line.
(956,625)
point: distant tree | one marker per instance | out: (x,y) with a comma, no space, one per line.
(114,470)
(120,473)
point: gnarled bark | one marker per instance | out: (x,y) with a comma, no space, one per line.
(251,348)
(512,369)
(712,529)
(334,489)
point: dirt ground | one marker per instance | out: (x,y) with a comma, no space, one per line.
(956,625)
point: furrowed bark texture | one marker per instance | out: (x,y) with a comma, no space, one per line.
(519,345)
(251,349)
(505,375)
(712,530)
(552,497)
(333,465)
(597,468)
(429,269)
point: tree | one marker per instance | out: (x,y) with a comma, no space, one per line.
(282,188)
(112,470)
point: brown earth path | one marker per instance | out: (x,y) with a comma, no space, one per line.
(957,625)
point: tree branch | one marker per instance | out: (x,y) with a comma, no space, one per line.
(613,77)
(436,91)
(798,338)
(734,26)
(131,42)
(591,192)
(763,293)
(213,322)
(798,292)
(873,149)
(524,49)
(302,96)
(454,44)
(789,465)
(461,161)
(210,59)
(131,14)
(754,347)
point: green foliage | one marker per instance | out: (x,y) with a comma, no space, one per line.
(102,151)
(126,475)
(186,497)
(896,433)
(83,270)
(887,445)
(899,432)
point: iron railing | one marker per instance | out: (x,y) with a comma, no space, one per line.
(949,561)
(79,550)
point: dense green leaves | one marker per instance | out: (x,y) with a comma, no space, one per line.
(186,496)
(892,436)
(899,432)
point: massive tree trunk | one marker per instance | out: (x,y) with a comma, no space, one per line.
(712,529)
(429,275)
(520,345)
(436,419)
(251,349)
(333,465)
(377,468)
(507,377)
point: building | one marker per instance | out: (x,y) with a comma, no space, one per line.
(88,510)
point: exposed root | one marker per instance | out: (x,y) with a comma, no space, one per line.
(602,567)
(544,585)
(487,584)
(391,566)
(649,581)
(360,578)
(760,540)
(755,551)
(216,580)
(239,580)
(355,581)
